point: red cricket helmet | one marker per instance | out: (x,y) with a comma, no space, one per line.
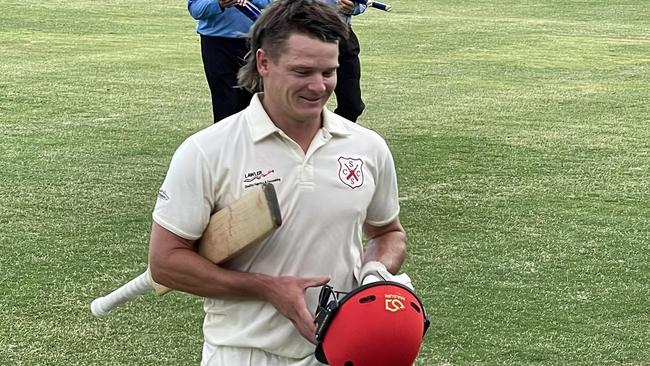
(379,324)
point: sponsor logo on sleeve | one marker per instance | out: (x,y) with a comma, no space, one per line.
(162,194)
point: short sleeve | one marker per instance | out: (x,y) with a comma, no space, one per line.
(384,206)
(186,197)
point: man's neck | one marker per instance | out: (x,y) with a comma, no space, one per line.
(301,132)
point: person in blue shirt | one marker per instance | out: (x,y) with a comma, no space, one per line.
(348,88)
(223,30)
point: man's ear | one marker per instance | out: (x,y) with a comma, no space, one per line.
(263,61)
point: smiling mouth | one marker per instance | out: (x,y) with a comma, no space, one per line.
(312,99)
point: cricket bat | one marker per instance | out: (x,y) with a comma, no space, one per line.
(246,221)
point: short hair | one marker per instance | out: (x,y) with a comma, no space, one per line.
(278,22)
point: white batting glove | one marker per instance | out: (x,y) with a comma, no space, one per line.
(375,271)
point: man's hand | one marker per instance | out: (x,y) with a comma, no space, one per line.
(287,295)
(228,3)
(346,6)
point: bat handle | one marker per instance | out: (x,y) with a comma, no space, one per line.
(379,5)
(102,306)
(250,10)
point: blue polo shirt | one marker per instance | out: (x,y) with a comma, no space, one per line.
(213,21)
(358,9)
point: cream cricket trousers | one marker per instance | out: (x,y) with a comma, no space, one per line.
(236,356)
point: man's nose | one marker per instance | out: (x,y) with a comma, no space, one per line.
(317,83)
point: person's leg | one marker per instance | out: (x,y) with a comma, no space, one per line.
(222,58)
(348,86)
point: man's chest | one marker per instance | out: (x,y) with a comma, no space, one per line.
(325,181)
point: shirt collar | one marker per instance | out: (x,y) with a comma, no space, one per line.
(261,126)
(259,123)
(334,124)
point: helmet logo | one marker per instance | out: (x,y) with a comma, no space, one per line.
(394,303)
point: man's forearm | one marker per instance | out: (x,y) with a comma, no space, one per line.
(386,244)
(188,272)
(389,249)
(174,264)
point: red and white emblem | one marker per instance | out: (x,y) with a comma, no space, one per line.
(351,172)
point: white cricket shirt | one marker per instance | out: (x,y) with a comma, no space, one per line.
(346,178)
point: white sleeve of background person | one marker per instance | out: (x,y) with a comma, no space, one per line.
(384,206)
(185,199)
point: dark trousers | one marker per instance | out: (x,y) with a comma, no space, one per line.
(222,58)
(348,85)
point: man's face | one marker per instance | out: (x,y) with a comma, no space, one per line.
(298,83)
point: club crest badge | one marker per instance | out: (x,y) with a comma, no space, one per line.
(351,172)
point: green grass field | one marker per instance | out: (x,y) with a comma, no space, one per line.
(521,131)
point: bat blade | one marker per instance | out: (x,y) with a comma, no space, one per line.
(246,221)
(241,224)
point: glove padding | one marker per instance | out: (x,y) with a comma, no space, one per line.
(375,271)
